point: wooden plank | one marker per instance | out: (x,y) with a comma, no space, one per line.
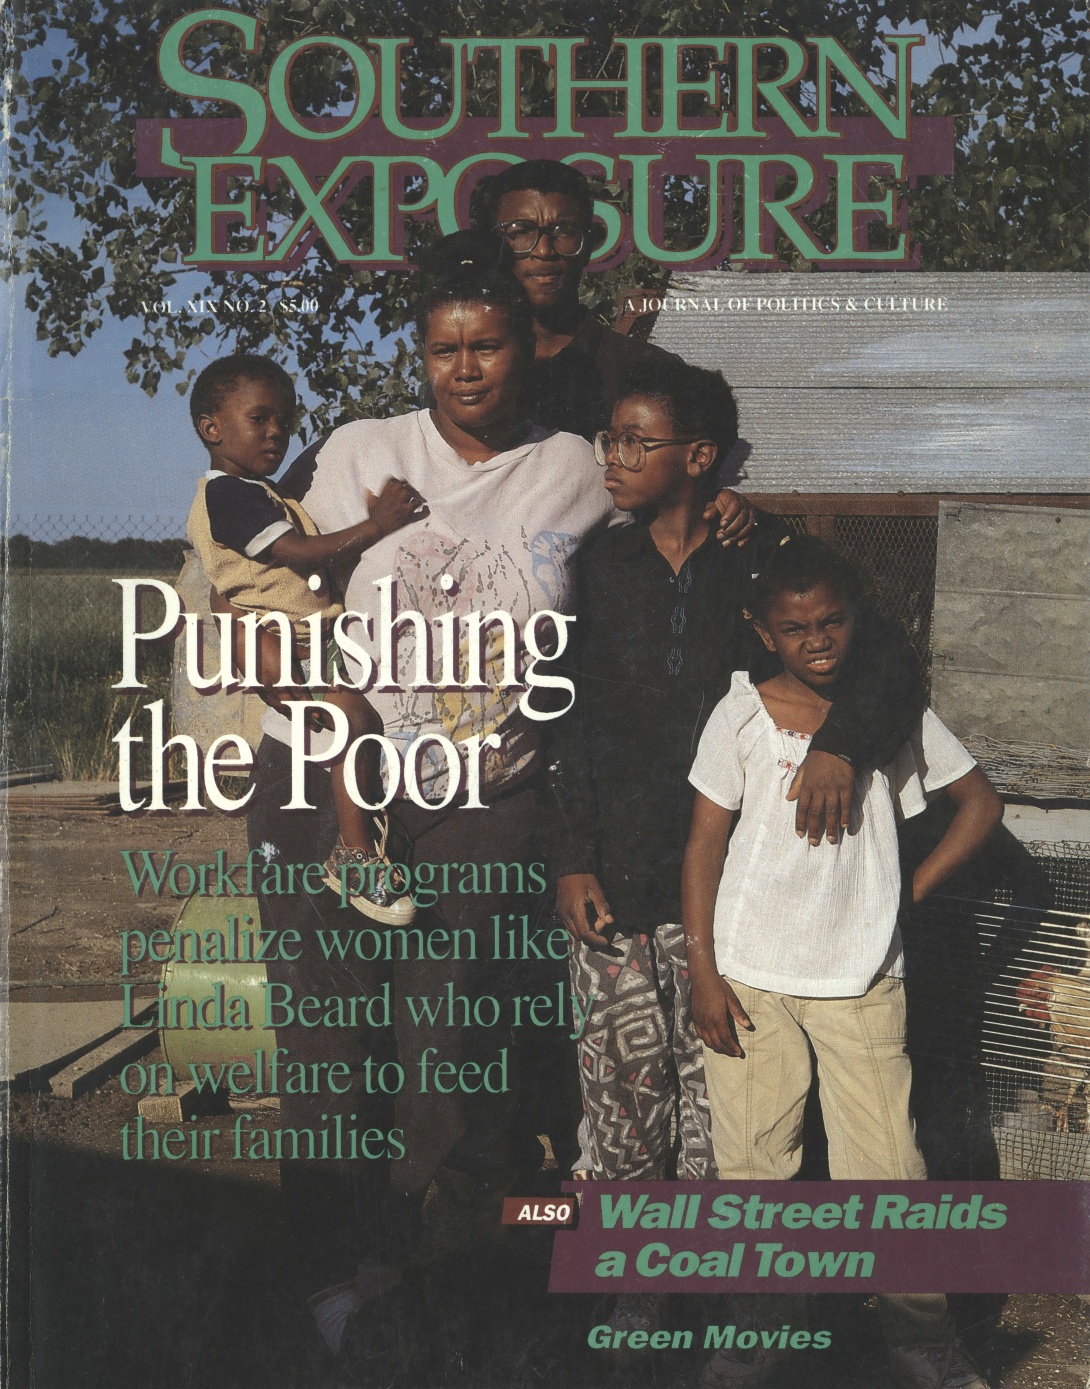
(44,1036)
(184,1104)
(189,1103)
(1015,332)
(104,1061)
(1012,606)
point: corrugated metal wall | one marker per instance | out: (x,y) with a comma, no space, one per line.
(849,382)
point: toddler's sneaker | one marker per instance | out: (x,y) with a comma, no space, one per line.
(935,1367)
(375,886)
(332,1309)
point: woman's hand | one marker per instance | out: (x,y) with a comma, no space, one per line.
(717,1013)
(736,518)
(574,893)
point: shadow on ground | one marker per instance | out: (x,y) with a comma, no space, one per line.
(160,1275)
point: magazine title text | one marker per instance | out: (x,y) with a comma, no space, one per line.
(750,119)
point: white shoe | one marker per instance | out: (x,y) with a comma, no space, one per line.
(333,1308)
(373,884)
(943,1366)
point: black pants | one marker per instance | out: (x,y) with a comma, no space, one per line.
(366,1208)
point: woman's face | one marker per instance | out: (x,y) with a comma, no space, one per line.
(474,365)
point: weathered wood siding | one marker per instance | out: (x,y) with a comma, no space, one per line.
(1012,609)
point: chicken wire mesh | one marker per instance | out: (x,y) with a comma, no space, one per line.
(1041,771)
(1065,866)
(897,555)
(1001,990)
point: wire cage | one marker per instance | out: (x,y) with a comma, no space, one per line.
(1065,866)
(1007,992)
(897,555)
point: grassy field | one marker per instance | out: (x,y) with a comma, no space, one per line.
(63,648)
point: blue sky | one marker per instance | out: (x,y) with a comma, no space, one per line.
(89,447)
(85,443)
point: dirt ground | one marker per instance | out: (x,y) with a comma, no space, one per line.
(156,1274)
(71,893)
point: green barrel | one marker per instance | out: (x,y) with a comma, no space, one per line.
(186,977)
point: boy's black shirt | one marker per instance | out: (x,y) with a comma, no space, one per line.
(654,653)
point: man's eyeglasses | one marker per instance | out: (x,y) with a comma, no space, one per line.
(566,238)
(631,450)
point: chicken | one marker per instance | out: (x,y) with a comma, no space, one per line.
(1061,1002)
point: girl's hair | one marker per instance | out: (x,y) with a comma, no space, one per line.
(223,376)
(797,565)
(457,253)
(463,269)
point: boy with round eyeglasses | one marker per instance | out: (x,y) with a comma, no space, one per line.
(631,450)
(660,632)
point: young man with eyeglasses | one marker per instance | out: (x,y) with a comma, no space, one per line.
(542,213)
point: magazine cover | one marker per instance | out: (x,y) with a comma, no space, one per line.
(545,740)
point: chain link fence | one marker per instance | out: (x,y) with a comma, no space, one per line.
(51,528)
(897,555)
(91,542)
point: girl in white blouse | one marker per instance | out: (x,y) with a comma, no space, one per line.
(798,945)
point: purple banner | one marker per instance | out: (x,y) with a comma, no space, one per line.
(814,1237)
(434,179)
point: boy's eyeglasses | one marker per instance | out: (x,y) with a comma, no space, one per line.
(566,238)
(631,449)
